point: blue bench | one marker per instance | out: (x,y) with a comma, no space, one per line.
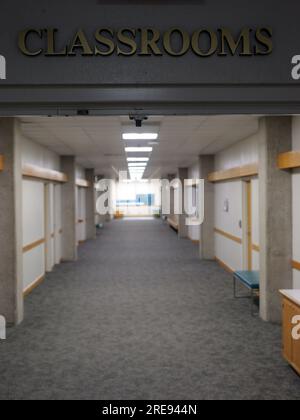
(249,279)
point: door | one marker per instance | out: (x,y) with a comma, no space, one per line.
(49,226)
(57,223)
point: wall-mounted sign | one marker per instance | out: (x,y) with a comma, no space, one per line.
(147,42)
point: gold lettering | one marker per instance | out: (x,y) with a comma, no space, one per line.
(149,41)
(213,43)
(227,39)
(22,41)
(128,41)
(168,42)
(109,43)
(80,42)
(148,44)
(51,43)
(265,40)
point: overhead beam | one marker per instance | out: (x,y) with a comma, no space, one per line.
(33,171)
(289,160)
(83,183)
(173,224)
(234,173)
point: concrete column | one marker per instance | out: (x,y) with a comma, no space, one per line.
(90,204)
(275,215)
(165,192)
(182,227)
(11,283)
(69,209)
(207,236)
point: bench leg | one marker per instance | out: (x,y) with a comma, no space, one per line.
(235,292)
(253,313)
(252,296)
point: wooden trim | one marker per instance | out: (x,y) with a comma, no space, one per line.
(82,183)
(195,241)
(249,227)
(33,245)
(234,173)
(296,265)
(228,236)
(173,224)
(255,248)
(224,265)
(289,160)
(33,171)
(1,163)
(33,285)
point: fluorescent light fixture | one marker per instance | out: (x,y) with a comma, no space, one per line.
(138,149)
(138,159)
(140,136)
(137,165)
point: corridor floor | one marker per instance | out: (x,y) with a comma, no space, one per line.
(139,316)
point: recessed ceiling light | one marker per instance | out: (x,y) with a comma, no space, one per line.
(138,159)
(138,149)
(140,136)
(136,165)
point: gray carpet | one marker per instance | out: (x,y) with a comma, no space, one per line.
(140,317)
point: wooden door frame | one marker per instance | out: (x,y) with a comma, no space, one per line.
(247,224)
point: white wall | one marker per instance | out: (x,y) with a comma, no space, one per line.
(81,214)
(39,222)
(33,231)
(35,154)
(296,203)
(242,153)
(228,251)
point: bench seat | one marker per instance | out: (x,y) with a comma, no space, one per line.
(249,278)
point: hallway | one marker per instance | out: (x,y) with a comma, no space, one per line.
(139,316)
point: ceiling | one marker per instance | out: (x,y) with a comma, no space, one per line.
(97,141)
